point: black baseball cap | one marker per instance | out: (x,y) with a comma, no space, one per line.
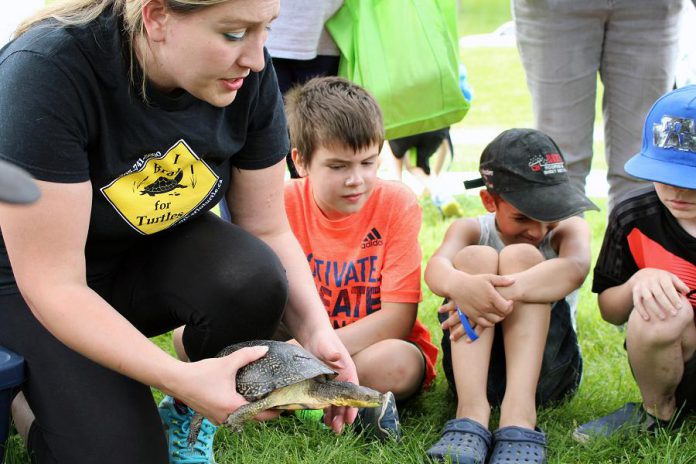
(16,185)
(527,169)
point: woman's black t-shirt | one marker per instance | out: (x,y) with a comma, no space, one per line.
(70,113)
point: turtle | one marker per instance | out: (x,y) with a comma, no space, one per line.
(288,377)
(163,185)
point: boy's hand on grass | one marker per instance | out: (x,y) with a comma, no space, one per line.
(657,293)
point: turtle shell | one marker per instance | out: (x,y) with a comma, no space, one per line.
(284,364)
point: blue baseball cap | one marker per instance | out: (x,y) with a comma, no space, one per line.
(668,155)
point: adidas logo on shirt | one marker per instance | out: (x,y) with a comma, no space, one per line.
(372,239)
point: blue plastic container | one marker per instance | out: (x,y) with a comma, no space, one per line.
(11,376)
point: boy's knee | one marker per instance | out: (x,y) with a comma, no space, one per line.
(405,373)
(402,366)
(477,259)
(656,333)
(519,257)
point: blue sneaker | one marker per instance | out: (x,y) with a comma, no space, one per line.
(382,421)
(177,419)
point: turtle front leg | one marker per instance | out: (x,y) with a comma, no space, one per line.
(194,429)
(234,421)
(244,413)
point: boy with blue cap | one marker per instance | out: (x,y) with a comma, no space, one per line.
(646,271)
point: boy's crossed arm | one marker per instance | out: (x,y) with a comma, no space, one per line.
(554,279)
(487,298)
(475,294)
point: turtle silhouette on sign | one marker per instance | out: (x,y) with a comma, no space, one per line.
(164,185)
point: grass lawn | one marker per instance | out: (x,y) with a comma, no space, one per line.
(500,101)
(482,16)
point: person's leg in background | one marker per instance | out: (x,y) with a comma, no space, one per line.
(638,66)
(397,152)
(295,72)
(434,144)
(440,156)
(560,47)
(434,158)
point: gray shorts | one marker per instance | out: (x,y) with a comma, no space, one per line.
(561,369)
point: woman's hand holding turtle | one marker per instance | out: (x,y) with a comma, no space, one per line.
(208,386)
(326,346)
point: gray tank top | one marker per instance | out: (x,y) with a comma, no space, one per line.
(490,237)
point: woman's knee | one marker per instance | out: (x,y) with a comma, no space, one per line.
(242,296)
(250,283)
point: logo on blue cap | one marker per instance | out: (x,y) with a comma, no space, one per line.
(675,132)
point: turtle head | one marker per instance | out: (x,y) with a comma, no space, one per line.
(341,393)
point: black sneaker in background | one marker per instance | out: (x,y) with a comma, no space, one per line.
(630,418)
(382,421)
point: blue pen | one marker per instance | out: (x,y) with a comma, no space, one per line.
(467,326)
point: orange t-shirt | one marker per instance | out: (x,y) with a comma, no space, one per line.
(365,258)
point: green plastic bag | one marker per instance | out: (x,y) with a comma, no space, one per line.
(405,53)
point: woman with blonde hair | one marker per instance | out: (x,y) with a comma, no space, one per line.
(136,117)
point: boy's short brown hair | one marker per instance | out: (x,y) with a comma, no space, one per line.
(332,111)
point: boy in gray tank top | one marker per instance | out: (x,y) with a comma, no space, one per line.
(509,337)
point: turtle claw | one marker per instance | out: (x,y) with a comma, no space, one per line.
(194,429)
(235,422)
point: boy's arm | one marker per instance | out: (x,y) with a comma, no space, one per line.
(475,294)
(553,279)
(652,292)
(394,320)
(616,303)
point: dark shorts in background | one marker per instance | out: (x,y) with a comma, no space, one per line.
(561,369)
(426,144)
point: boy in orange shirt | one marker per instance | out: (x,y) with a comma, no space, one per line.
(360,236)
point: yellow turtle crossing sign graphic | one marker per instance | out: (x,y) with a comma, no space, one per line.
(162,190)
